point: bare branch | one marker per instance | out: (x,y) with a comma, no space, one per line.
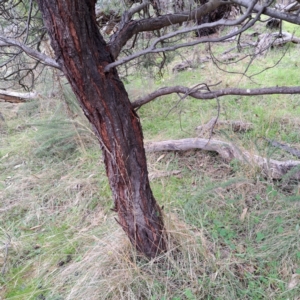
(28,22)
(271,12)
(203,95)
(152,48)
(136,9)
(44,59)
(131,28)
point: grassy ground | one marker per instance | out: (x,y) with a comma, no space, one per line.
(233,234)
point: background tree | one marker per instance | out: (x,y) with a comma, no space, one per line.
(89,63)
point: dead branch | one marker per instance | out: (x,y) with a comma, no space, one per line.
(268,40)
(14,97)
(236,126)
(274,169)
(294,6)
(159,174)
(189,64)
(132,27)
(129,29)
(285,147)
(208,127)
(206,8)
(205,95)
(44,59)
(271,12)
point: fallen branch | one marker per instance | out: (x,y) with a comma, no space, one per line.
(285,147)
(208,127)
(236,126)
(268,40)
(272,168)
(14,97)
(189,64)
(271,12)
(159,174)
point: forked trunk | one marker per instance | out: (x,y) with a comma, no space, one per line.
(82,52)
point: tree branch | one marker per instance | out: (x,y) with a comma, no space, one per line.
(271,12)
(44,59)
(136,9)
(152,48)
(14,97)
(129,29)
(204,95)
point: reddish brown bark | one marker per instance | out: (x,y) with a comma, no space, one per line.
(83,55)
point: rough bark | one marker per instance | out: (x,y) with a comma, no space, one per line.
(221,12)
(83,54)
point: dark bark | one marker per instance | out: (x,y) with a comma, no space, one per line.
(83,54)
(222,11)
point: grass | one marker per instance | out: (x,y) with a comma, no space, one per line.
(232,233)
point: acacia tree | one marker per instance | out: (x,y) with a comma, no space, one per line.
(89,63)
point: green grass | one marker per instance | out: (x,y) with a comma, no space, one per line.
(233,234)
(291,28)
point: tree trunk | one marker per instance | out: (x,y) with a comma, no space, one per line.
(222,11)
(83,54)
